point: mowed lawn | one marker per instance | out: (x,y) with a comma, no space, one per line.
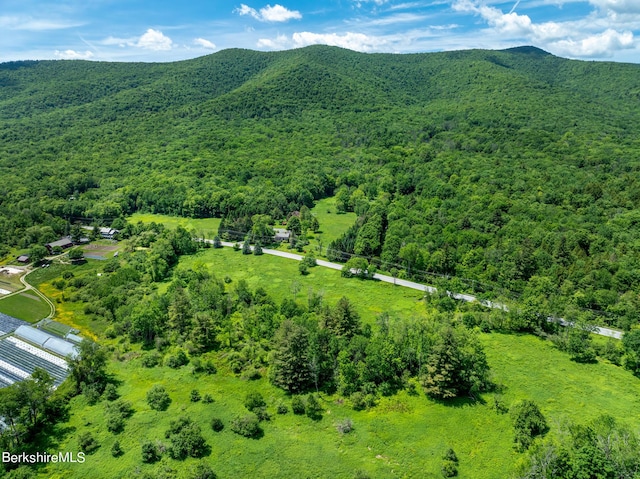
(27,306)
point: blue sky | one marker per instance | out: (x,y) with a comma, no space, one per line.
(164,30)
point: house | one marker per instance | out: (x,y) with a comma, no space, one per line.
(108,233)
(24,259)
(104,232)
(281,234)
(63,243)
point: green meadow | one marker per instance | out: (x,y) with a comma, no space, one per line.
(404,435)
(202,226)
(332,225)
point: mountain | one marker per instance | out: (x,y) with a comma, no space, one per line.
(507,169)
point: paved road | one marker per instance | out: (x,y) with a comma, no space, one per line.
(602,331)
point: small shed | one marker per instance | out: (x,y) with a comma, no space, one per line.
(24,259)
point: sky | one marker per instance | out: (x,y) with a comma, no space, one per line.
(166,30)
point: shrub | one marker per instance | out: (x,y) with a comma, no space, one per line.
(345,426)
(216,424)
(67,275)
(297,405)
(313,409)
(110,392)
(87,443)
(282,408)
(203,366)
(528,422)
(195,395)
(116,450)
(202,471)
(158,398)
(151,359)
(449,469)
(150,452)
(303,268)
(185,439)
(92,392)
(177,359)
(207,399)
(247,426)
(262,414)
(254,400)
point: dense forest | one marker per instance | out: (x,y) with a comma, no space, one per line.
(511,173)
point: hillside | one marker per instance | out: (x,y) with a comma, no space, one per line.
(513,171)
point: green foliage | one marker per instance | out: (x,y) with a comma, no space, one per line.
(297,405)
(313,408)
(528,423)
(202,471)
(177,359)
(254,400)
(216,424)
(456,365)
(150,452)
(247,426)
(88,368)
(116,449)
(185,439)
(194,396)
(87,443)
(158,398)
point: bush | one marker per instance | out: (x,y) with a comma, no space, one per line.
(345,426)
(254,400)
(151,359)
(150,452)
(528,422)
(177,359)
(297,405)
(216,424)
(313,409)
(203,366)
(303,268)
(185,439)
(449,469)
(247,426)
(87,443)
(207,399)
(158,398)
(195,395)
(202,471)
(282,408)
(262,414)
(92,392)
(116,450)
(116,413)
(110,392)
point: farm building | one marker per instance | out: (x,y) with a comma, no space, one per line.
(64,243)
(24,259)
(105,233)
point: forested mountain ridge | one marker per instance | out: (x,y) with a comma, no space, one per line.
(515,169)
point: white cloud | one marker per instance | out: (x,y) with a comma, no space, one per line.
(205,43)
(579,38)
(154,40)
(74,55)
(276,13)
(600,45)
(9,22)
(352,41)
(618,6)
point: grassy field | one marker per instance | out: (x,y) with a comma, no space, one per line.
(403,436)
(332,225)
(202,226)
(27,306)
(279,276)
